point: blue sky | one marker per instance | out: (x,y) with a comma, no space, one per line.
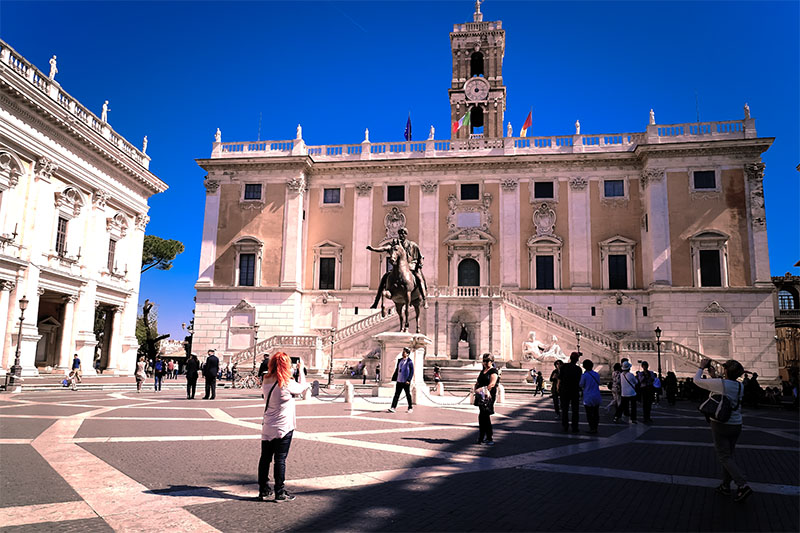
(176,71)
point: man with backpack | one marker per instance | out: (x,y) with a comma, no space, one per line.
(647,389)
(159,368)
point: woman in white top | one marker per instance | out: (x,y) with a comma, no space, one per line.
(279,422)
(726,434)
(140,374)
(628,383)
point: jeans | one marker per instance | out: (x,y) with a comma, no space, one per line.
(566,401)
(277,449)
(725,437)
(647,401)
(592,416)
(211,387)
(484,425)
(622,408)
(402,386)
(556,402)
(157,382)
(191,386)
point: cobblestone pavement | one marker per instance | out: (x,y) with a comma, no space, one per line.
(99,461)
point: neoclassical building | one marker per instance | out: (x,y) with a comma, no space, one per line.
(73,211)
(591,238)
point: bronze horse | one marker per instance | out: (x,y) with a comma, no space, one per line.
(401,285)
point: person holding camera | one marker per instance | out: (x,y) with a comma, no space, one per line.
(278,424)
(628,386)
(725,434)
(486,386)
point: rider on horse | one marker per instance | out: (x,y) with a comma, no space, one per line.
(415,260)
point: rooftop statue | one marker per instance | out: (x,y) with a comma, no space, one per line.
(144,145)
(431,133)
(299,131)
(577,127)
(652,118)
(53,68)
(509,131)
(746,110)
(104,113)
(218,136)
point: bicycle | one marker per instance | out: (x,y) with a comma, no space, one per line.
(246,381)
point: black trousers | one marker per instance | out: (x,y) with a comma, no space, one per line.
(211,388)
(556,402)
(592,416)
(626,403)
(647,394)
(191,386)
(568,400)
(484,425)
(401,386)
(277,450)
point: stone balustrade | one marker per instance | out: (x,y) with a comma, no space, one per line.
(20,65)
(581,143)
(293,341)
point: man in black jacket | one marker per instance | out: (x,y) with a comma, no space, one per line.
(192,369)
(569,391)
(210,371)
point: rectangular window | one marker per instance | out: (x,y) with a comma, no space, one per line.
(543,189)
(247,270)
(617,272)
(252,191)
(544,272)
(395,193)
(61,236)
(710,273)
(112,250)
(327,272)
(614,188)
(331,196)
(470,191)
(705,179)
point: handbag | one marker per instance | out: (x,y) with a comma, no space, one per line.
(483,399)
(718,406)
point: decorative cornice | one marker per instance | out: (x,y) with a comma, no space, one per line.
(6,285)
(141,222)
(429,186)
(509,184)
(45,168)
(297,185)
(211,185)
(578,184)
(651,174)
(100,198)
(363,188)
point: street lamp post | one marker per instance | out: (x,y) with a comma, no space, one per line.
(15,372)
(330,366)
(658,347)
(255,343)
(578,336)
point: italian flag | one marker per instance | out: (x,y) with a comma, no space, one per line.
(464,121)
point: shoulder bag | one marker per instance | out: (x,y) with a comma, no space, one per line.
(718,406)
(269,395)
(396,368)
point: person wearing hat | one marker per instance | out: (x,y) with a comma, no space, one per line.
(628,385)
(725,434)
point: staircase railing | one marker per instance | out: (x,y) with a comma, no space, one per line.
(359,326)
(301,341)
(560,320)
(689,355)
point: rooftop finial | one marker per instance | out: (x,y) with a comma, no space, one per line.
(478,16)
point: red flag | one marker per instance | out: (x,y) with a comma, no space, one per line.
(528,124)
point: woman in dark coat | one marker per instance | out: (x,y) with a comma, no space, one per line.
(192,370)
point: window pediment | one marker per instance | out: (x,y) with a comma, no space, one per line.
(69,202)
(117,225)
(11,169)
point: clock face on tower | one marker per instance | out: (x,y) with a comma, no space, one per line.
(476,89)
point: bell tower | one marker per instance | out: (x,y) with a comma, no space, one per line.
(477,86)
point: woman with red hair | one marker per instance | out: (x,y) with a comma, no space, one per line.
(278,425)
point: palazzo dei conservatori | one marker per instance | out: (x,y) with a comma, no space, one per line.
(589,238)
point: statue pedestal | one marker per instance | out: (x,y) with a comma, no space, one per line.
(392,344)
(463,350)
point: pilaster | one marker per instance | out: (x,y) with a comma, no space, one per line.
(292,257)
(208,248)
(757,224)
(654,188)
(580,234)
(6,287)
(115,344)
(362,224)
(509,233)
(67,333)
(429,230)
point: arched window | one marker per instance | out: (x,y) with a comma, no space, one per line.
(476,64)
(787,300)
(469,273)
(476,120)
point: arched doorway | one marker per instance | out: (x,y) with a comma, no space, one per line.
(469,273)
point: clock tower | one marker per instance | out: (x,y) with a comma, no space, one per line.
(477,86)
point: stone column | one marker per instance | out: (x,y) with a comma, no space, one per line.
(429,230)
(5,298)
(580,234)
(67,331)
(509,233)
(654,185)
(208,249)
(757,227)
(115,342)
(292,258)
(362,226)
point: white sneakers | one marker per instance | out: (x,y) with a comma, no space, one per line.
(391,409)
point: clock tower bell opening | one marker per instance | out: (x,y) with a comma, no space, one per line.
(477,86)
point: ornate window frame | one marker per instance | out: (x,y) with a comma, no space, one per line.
(534,199)
(11,169)
(252,203)
(117,227)
(248,245)
(545,245)
(327,249)
(386,201)
(340,203)
(615,201)
(618,245)
(705,194)
(472,200)
(709,239)
(68,205)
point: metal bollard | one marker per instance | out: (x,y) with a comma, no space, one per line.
(501,394)
(440,389)
(348,392)
(315,388)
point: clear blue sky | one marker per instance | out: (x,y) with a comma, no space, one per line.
(177,71)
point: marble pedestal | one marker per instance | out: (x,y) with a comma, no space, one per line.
(463,350)
(392,344)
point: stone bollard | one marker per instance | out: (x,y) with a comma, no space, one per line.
(501,394)
(348,392)
(315,388)
(440,389)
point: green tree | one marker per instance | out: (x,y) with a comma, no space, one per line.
(147,331)
(159,253)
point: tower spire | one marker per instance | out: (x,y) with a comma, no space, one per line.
(478,16)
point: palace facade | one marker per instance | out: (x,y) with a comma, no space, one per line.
(595,239)
(73,211)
